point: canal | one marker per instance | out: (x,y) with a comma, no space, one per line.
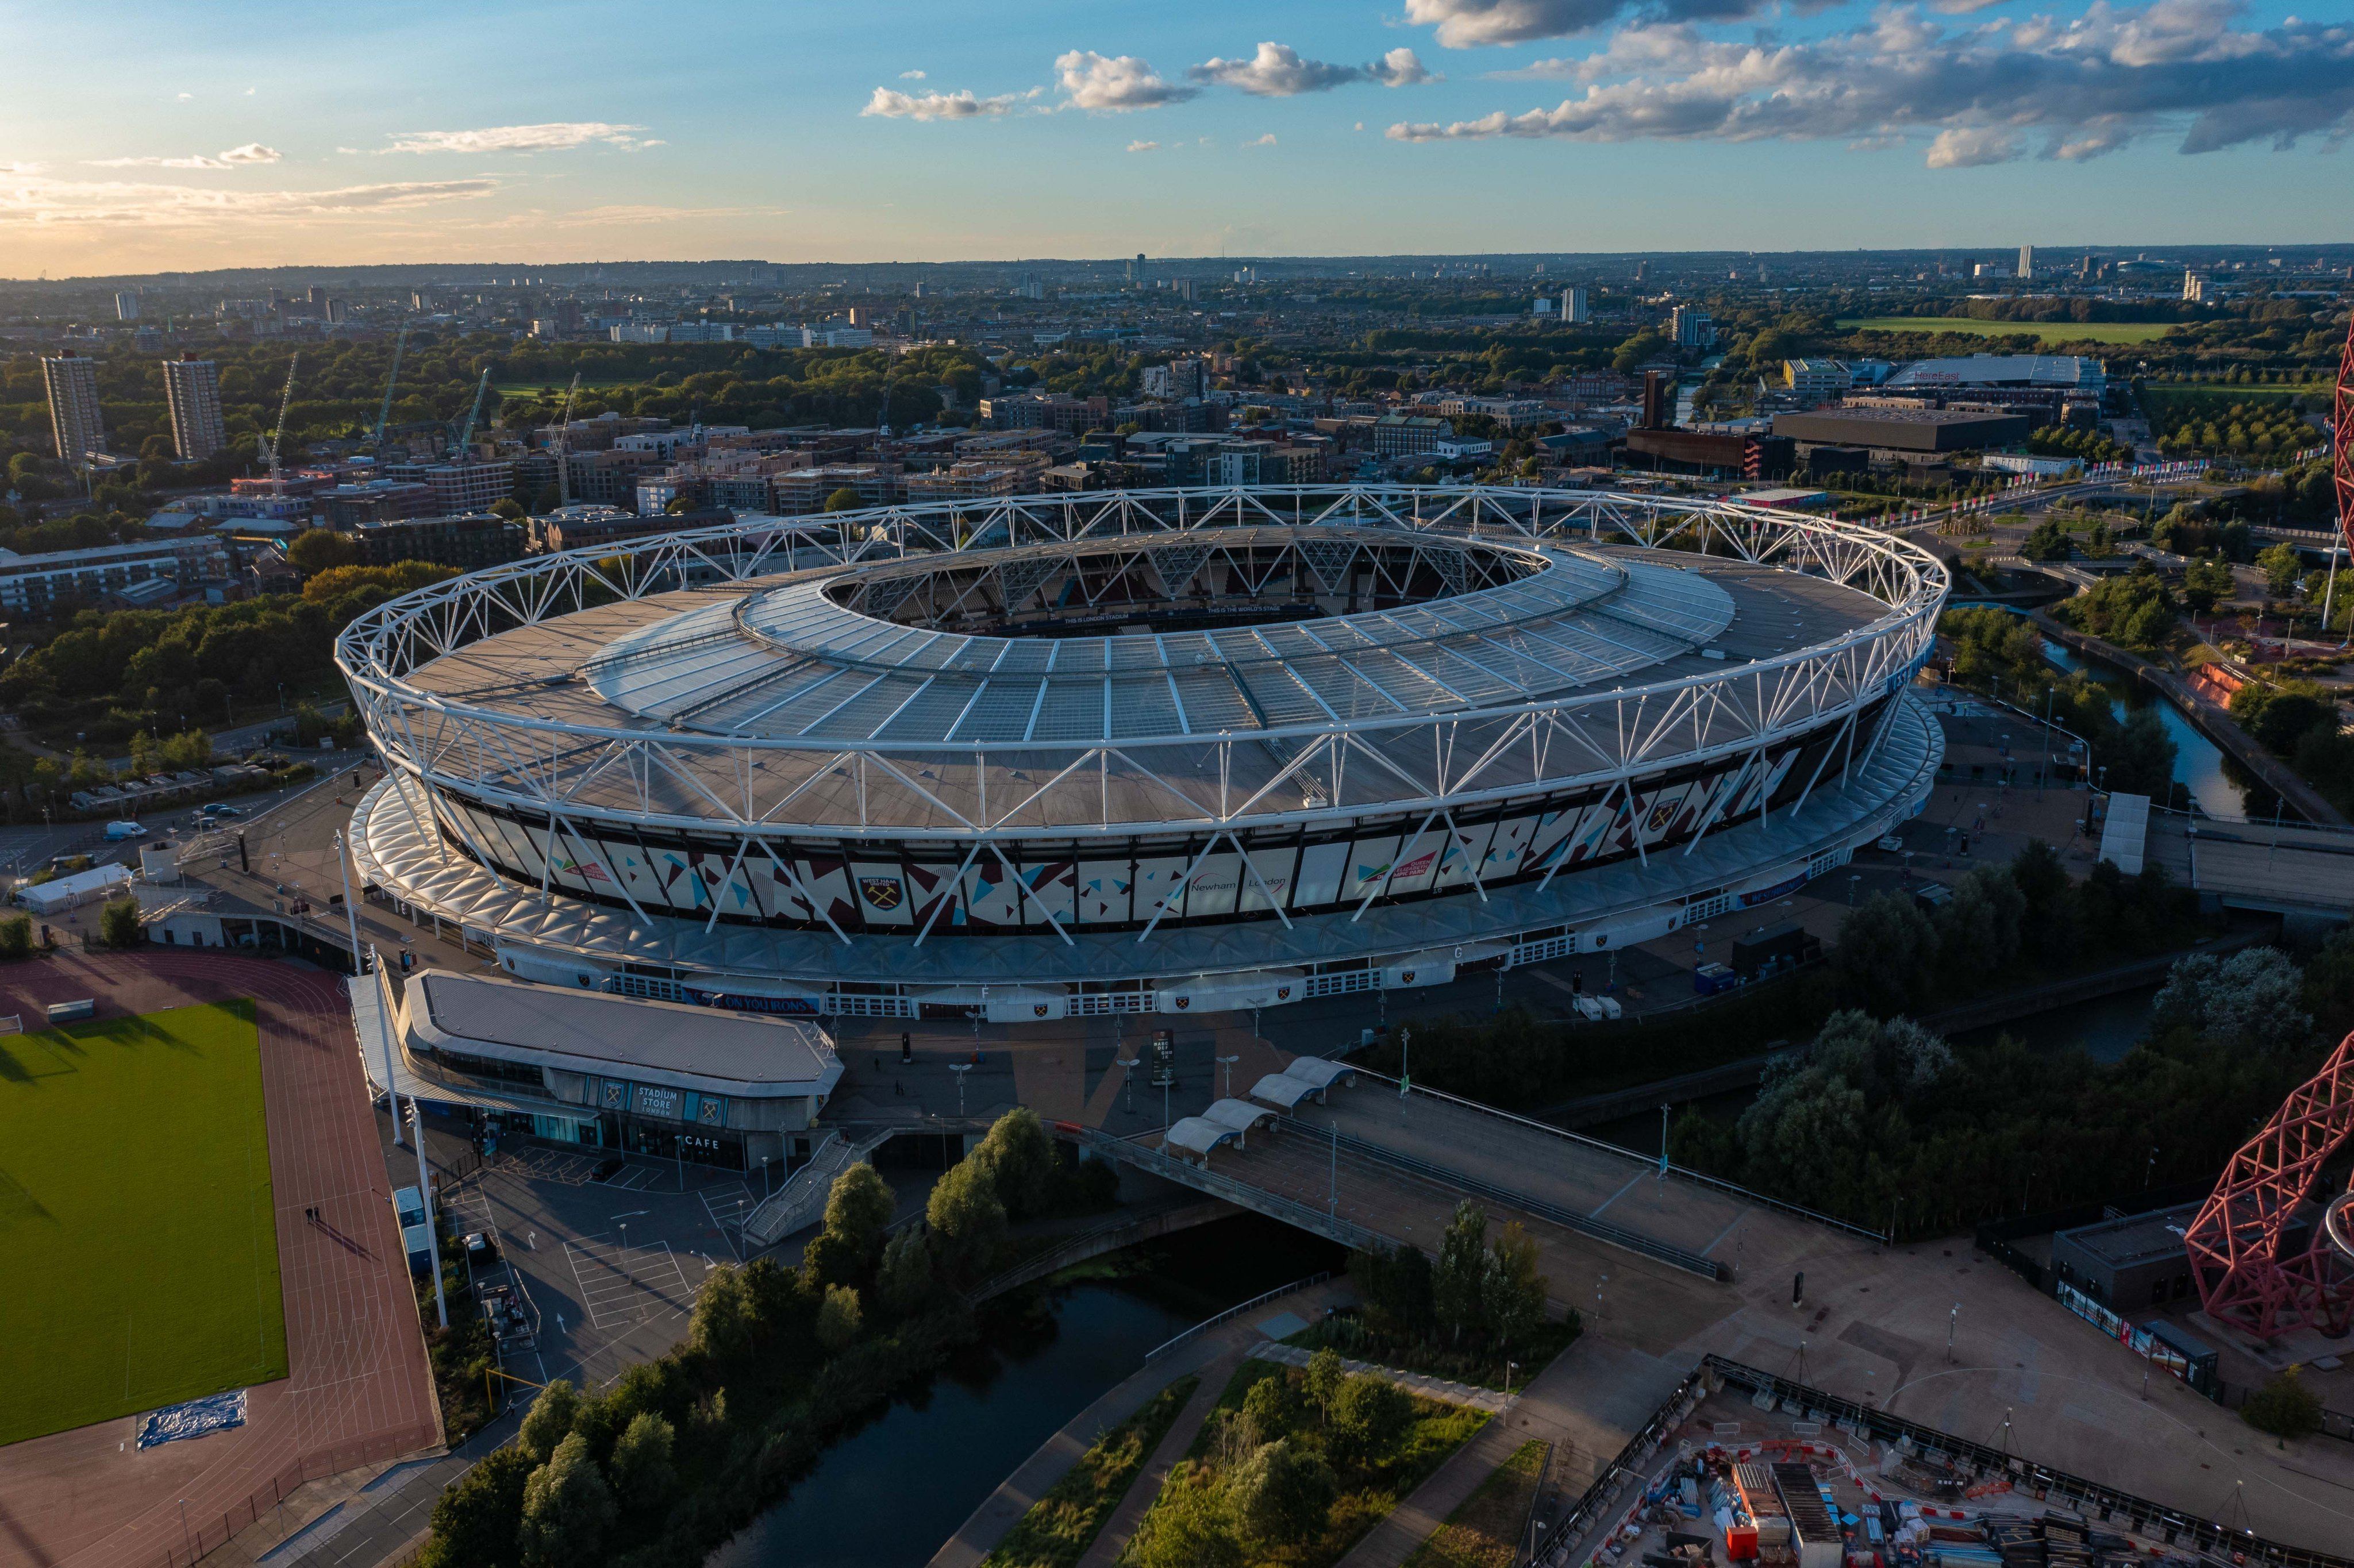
(2219,786)
(888,1495)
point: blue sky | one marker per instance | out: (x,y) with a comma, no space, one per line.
(138,137)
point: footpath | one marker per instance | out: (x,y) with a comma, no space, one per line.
(1214,1353)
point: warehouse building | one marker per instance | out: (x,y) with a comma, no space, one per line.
(1902,435)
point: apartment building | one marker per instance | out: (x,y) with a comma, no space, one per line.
(37,583)
(192,395)
(75,421)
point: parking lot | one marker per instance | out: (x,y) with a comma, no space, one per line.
(603,1251)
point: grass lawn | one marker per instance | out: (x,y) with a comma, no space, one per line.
(1485,1531)
(2228,393)
(2044,332)
(135,1216)
(1062,1525)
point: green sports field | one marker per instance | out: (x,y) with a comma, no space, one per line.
(2044,332)
(135,1218)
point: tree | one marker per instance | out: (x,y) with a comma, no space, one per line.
(549,1419)
(839,1318)
(857,1209)
(904,1282)
(317,549)
(118,924)
(1395,1285)
(641,1471)
(1322,1383)
(1513,1291)
(1193,1527)
(966,1215)
(507,506)
(1977,931)
(1886,954)
(1282,1494)
(16,937)
(568,1510)
(2206,584)
(1021,1162)
(726,1318)
(844,499)
(2252,999)
(2139,758)
(2048,926)
(1270,1409)
(2281,567)
(1456,1285)
(1369,1416)
(2284,1407)
(474,1519)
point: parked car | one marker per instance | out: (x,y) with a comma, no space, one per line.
(480,1250)
(1892,842)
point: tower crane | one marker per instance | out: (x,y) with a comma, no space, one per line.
(466,436)
(563,428)
(384,414)
(285,401)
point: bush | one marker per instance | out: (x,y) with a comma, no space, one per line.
(2283,1408)
(839,1318)
(17,936)
(118,925)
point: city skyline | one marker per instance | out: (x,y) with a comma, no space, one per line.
(334,139)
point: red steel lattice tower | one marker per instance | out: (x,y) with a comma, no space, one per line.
(2342,436)
(2235,1244)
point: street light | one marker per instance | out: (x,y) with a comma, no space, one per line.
(432,1220)
(1127,1066)
(1228,1064)
(960,1069)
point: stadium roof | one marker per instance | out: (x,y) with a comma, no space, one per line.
(2003,370)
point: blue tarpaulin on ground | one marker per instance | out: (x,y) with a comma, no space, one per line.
(214,1413)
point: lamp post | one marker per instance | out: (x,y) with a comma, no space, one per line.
(1405,1059)
(1128,1079)
(432,1219)
(1228,1064)
(960,1069)
(1953,1320)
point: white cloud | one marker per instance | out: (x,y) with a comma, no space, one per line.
(1266,141)
(554,137)
(1278,71)
(1969,147)
(1143,146)
(1117,84)
(51,202)
(1467,23)
(918,76)
(889,103)
(22,169)
(235,158)
(1980,93)
(187,97)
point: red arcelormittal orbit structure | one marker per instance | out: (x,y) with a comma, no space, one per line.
(2244,1245)
(2342,437)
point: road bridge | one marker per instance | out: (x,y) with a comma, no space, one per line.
(2284,868)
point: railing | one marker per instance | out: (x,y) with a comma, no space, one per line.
(1585,1224)
(1553,1546)
(1202,1179)
(1261,1299)
(1703,1178)
(2139,1514)
(210,1533)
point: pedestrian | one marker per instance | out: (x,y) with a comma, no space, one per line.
(898,1088)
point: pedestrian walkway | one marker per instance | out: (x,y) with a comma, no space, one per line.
(1104,1551)
(1390,1542)
(1214,1354)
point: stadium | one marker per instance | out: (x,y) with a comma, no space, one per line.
(1158,751)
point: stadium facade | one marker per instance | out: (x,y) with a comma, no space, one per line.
(1144,751)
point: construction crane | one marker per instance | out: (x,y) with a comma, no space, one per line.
(466,436)
(285,401)
(384,414)
(563,427)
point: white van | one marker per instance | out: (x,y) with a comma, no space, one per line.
(117,832)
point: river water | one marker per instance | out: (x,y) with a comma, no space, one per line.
(2217,785)
(892,1492)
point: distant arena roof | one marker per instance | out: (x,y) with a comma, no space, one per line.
(1092,752)
(2065,370)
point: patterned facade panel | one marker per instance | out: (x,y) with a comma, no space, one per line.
(1102,889)
(1274,868)
(1466,849)
(1157,892)
(884,896)
(1323,869)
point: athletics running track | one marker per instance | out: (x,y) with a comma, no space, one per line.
(359,1391)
